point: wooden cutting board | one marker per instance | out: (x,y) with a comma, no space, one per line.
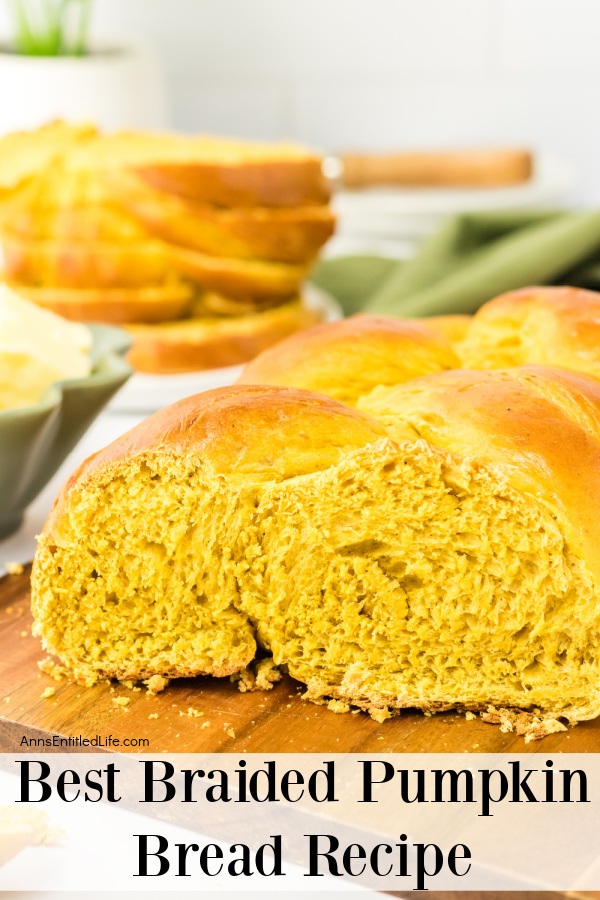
(267,721)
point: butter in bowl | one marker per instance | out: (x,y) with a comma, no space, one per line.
(55,378)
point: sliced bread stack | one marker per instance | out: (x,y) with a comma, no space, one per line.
(197,246)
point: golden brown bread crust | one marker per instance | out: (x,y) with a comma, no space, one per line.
(539,425)
(115,306)
(231,429)
(273,182)
(548,325)
(452,327)
(210,342)
(292,235)
(348,358)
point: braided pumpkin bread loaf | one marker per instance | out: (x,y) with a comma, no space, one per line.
(436,549)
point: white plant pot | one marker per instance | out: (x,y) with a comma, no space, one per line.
(115,87)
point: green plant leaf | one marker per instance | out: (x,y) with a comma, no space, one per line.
(51,27)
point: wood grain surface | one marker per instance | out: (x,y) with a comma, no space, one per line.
(266,721)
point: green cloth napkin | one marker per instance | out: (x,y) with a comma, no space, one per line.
(472,258)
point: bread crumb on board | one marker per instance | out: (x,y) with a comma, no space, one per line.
(153,716)
(338,706)
(205,725)
(530,725)
(380,715)
(260,675)
(53,669)
(14,568)
(121,701)
(156,684)
(48,692)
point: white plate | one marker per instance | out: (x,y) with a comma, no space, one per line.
(370,245)
(416,212)
(147,393)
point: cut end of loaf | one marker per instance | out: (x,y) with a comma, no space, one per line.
(394,575)
(150,590)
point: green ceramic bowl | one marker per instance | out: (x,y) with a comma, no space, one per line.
(35,440)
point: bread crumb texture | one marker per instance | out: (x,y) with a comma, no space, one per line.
(121,701)
(436,548)
(156,683)
(49,667)
(260,675)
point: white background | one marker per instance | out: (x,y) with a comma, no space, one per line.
(380,73)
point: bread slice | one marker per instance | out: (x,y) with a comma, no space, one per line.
(114,306)
(289,235)
(210,342)
(212,170)
(436,550)
(557,326)
(347,359)
(239,277)
(237,173)
(87,264)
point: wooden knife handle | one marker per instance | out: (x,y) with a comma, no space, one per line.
(469,168)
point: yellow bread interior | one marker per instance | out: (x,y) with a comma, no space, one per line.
(428,583)
(170,609)
(382,564)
